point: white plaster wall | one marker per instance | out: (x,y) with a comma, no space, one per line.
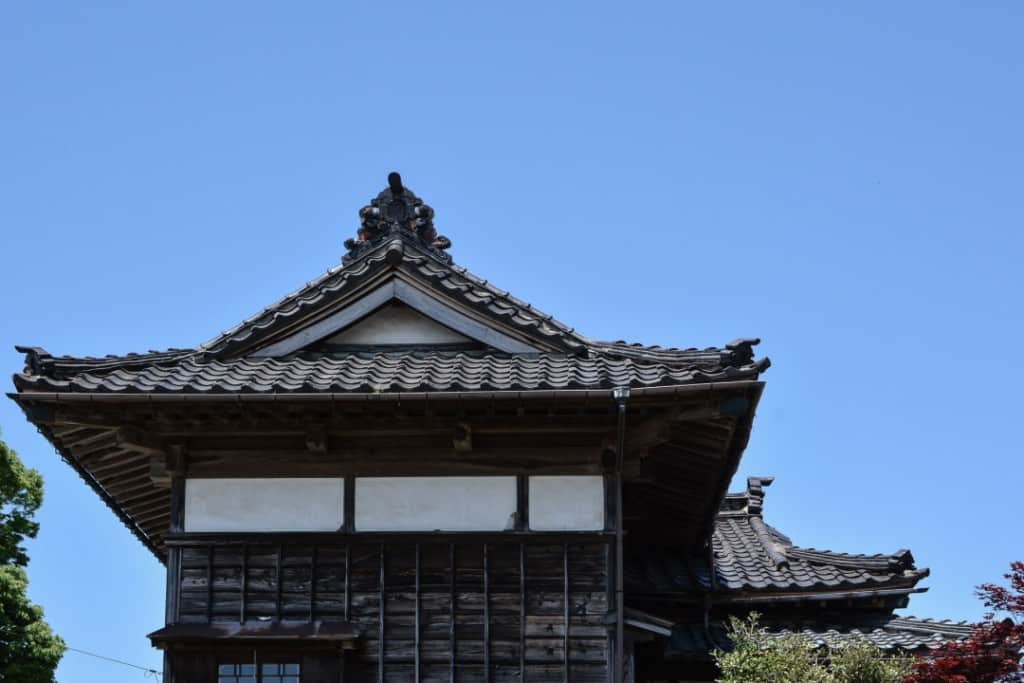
(571,503)
(274,504)
(397,325)
(435,503)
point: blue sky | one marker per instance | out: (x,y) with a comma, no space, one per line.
(843,181)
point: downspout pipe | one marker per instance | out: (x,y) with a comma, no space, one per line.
(621,397)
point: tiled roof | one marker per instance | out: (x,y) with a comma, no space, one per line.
(378,372)
(909,634)
(751,557)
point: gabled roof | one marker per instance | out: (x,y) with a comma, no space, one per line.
(404,259)
(753,561)
(398,257)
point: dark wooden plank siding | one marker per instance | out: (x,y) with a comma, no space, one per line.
(498,611)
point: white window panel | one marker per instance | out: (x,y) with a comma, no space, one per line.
(435,503)
(264,505)
(571,503)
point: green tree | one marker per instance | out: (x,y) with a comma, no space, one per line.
(29,651)
(758,657)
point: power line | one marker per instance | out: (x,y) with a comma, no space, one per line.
(149,672)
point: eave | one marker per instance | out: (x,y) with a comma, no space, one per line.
(123,480)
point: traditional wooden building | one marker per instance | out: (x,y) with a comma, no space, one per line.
(402,473)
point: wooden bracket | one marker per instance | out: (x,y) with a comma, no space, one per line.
(159,473)
(133,439)
(462,440)
(316,438)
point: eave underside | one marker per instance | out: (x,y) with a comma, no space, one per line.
(684,445)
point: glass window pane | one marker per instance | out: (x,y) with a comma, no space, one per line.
(291,669)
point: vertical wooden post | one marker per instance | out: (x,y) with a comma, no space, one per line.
(380,642)
(209,583)
(243,582)
(451,612)
(348,524)
(312,584)
(416,573)
(279,576)
(522,503)
(487,620)
(348,582)
(565,612)
(522,611)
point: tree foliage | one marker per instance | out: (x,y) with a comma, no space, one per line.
(29,651)
(21,494)
(992,654)
(758,657)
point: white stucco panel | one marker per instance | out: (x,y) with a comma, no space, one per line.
(264,505)
(570,503)
(435,503)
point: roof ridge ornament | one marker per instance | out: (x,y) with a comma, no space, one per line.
(396,212)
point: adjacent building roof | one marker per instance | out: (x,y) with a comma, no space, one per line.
(752,560)
(908,634)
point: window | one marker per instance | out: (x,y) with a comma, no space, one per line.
(267,673)
(435,503)
(279,673)
(236,673)
(271,504)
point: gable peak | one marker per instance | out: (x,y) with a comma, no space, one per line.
(396,213)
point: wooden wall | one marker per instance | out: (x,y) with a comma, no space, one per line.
(529,609)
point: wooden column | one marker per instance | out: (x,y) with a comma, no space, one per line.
(451,613)
(522,611)
(380,642)
(278,580)
(416,573)
(243,582)
(487,620)
(348,581)
(565,612)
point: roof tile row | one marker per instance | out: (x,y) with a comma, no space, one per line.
(377,372)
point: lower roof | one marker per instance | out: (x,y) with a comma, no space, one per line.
(752,562)
(692,640)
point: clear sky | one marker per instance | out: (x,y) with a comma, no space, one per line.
(843,181)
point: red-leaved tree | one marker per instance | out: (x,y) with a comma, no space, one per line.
(992,654)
